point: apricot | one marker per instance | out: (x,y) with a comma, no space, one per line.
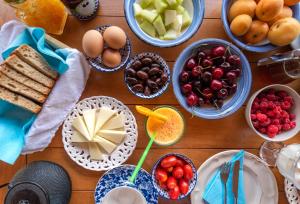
(257,32)
(242,7)
(284,31)
(267,10)
(285,12)
(240,24)
(291,2)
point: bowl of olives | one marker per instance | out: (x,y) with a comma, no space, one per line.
(147,75)
(212,78)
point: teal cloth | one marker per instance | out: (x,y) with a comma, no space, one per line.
(15,121)
(215,191)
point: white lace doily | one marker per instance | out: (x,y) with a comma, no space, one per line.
(79,152)
(291,192)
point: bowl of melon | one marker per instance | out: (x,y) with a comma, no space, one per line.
(164,23)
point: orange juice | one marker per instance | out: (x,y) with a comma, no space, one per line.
(169,132)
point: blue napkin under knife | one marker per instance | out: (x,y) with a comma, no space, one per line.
(15,121)
(214,192)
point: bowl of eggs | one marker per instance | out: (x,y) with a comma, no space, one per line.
(107,48)
(261,26)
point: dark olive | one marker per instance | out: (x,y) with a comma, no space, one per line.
(145,69)
(151,84)
(154,71)
(164,78)
(131,72)
(155,65)
(146,61)
(147,91)
(132,81)
(137,65)
(138,88)
(142,75)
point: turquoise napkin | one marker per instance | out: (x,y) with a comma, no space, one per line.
(214,191)
(15,121)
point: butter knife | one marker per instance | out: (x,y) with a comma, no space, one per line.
(235,181)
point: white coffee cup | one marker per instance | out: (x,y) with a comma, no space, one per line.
(124,195)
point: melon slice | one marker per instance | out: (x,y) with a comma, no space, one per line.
(149,15)
(148,28)
(159,25)
(160,5)
(170,16)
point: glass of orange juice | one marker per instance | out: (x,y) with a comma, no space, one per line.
(169,132)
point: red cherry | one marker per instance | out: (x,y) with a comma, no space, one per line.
(218,73)
(192,99)
(216,85)
(218,51)
(207,93)
(186,88)
(196,71)
(191,63)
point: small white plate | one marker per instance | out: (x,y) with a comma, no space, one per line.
(260,183)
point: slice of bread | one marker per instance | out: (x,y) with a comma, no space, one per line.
(32,57)
(19,65)
(18,100)
(19,88)
(11,73)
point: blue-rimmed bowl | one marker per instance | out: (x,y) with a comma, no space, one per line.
(125,52)
(198,14)
(158,60)
(263,47)
(233,103)
(192,182)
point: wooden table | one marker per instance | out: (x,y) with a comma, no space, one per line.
(203,138)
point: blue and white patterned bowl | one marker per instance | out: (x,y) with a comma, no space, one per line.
(193,181)
(238,41)
(125,52)
(198,14)
(232,104)
(159,60)
(119,177)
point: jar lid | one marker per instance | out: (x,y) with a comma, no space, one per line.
(26,193)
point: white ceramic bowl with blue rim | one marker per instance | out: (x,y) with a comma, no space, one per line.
(125,52)
(158,60)
(119,177)
(284,135)
(263,47)
(234,102)
(192,183)
(198,9)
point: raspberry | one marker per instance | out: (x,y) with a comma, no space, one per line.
(261,95)
(272,129)
(282,94)
(264,105)
(286,121)
(289,99)
(292,116)
(284,114)
(279,127)
(256,100)
(286,105)
(286,127)
(275,122)
(266,122)
(271,135)
(255,124)
(262,130)
(271,97)
(255,105)
(271,114)
(293,124)
(277,103)
(264,99)
(271,105)
(261,117)
(253,117)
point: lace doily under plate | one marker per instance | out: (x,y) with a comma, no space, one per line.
(79,152)
(291,192)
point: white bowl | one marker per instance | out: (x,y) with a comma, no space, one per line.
(296,110)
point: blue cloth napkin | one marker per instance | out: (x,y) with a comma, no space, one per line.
(15,121)
(215,191)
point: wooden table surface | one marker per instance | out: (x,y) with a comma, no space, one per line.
(203,138)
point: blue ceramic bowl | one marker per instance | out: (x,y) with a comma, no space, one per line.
(253,48)
(159,60)
(125,52)
(198,15)
(193,181)
(233,103)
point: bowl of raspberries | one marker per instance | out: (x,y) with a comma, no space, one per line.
(212,78)
(273,112)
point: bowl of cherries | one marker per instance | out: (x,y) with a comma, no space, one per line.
(174,176)
(212,78)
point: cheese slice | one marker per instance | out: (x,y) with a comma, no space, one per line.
(102,117)
(77,137)
(95,151)
(114,123)
(114,136)
(108,146)
(79,125)
(89,119)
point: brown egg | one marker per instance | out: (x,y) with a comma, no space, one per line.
(92,43)
(115,37)
(111,58)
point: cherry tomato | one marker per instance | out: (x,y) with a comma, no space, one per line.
(171,182)
(183,186)
(163,185)
(177,172)
(161,175)
(180,162)
(170,169)
(174,193)
(168,162)
(188,172)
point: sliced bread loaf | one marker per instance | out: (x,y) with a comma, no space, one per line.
(32,57)
(11,73)
(19,100)
(19,65)
(19,88)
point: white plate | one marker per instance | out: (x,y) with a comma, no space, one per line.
(260,183)
(79,153)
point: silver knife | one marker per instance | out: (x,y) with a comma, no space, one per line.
(235,180)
